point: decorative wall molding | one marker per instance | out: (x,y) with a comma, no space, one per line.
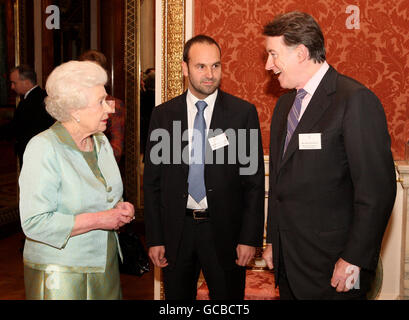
(173,40)
(403,170)
(132,175)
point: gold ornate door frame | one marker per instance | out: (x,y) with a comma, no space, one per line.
(173,40)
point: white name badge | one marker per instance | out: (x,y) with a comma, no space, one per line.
(218,141)
(309,141)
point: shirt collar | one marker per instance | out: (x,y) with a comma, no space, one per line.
(210,99)
(25,96)
(315,80)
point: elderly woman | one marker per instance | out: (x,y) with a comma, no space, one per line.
(71,193)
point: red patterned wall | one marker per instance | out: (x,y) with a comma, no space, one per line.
(376,54)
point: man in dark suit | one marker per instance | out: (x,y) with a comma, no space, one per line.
(332,179)
(30,117)
(204,215)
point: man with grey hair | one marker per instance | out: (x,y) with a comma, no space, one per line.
(30,117)
(332,179)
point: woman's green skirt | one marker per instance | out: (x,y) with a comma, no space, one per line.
(55,285)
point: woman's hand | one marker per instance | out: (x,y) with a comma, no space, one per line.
(128,211)
(117,217)
(111,219)
(126,206)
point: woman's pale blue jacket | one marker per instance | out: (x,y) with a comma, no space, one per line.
(56,184)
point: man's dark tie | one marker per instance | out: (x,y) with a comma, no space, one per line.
(293,116)
(197,187)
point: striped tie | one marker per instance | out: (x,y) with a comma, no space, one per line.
(293,116)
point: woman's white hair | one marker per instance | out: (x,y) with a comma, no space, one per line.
(66,87)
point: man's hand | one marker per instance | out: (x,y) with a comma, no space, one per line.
(244,254)
(268,256)
(345,276)
(157,255)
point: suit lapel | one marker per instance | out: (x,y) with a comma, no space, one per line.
(180,114)
(282,133)
(217,120)
(315,109)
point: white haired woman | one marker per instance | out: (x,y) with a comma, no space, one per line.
(71,193)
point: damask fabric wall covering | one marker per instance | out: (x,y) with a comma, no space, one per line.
(365,39)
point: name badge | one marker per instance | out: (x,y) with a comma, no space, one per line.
(218,141)
(309,141)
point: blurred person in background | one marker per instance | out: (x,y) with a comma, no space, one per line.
(30,117)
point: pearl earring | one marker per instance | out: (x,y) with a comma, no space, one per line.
(78,120)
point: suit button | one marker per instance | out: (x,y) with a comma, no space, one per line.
(109,189)
(209,190)
(110,199)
